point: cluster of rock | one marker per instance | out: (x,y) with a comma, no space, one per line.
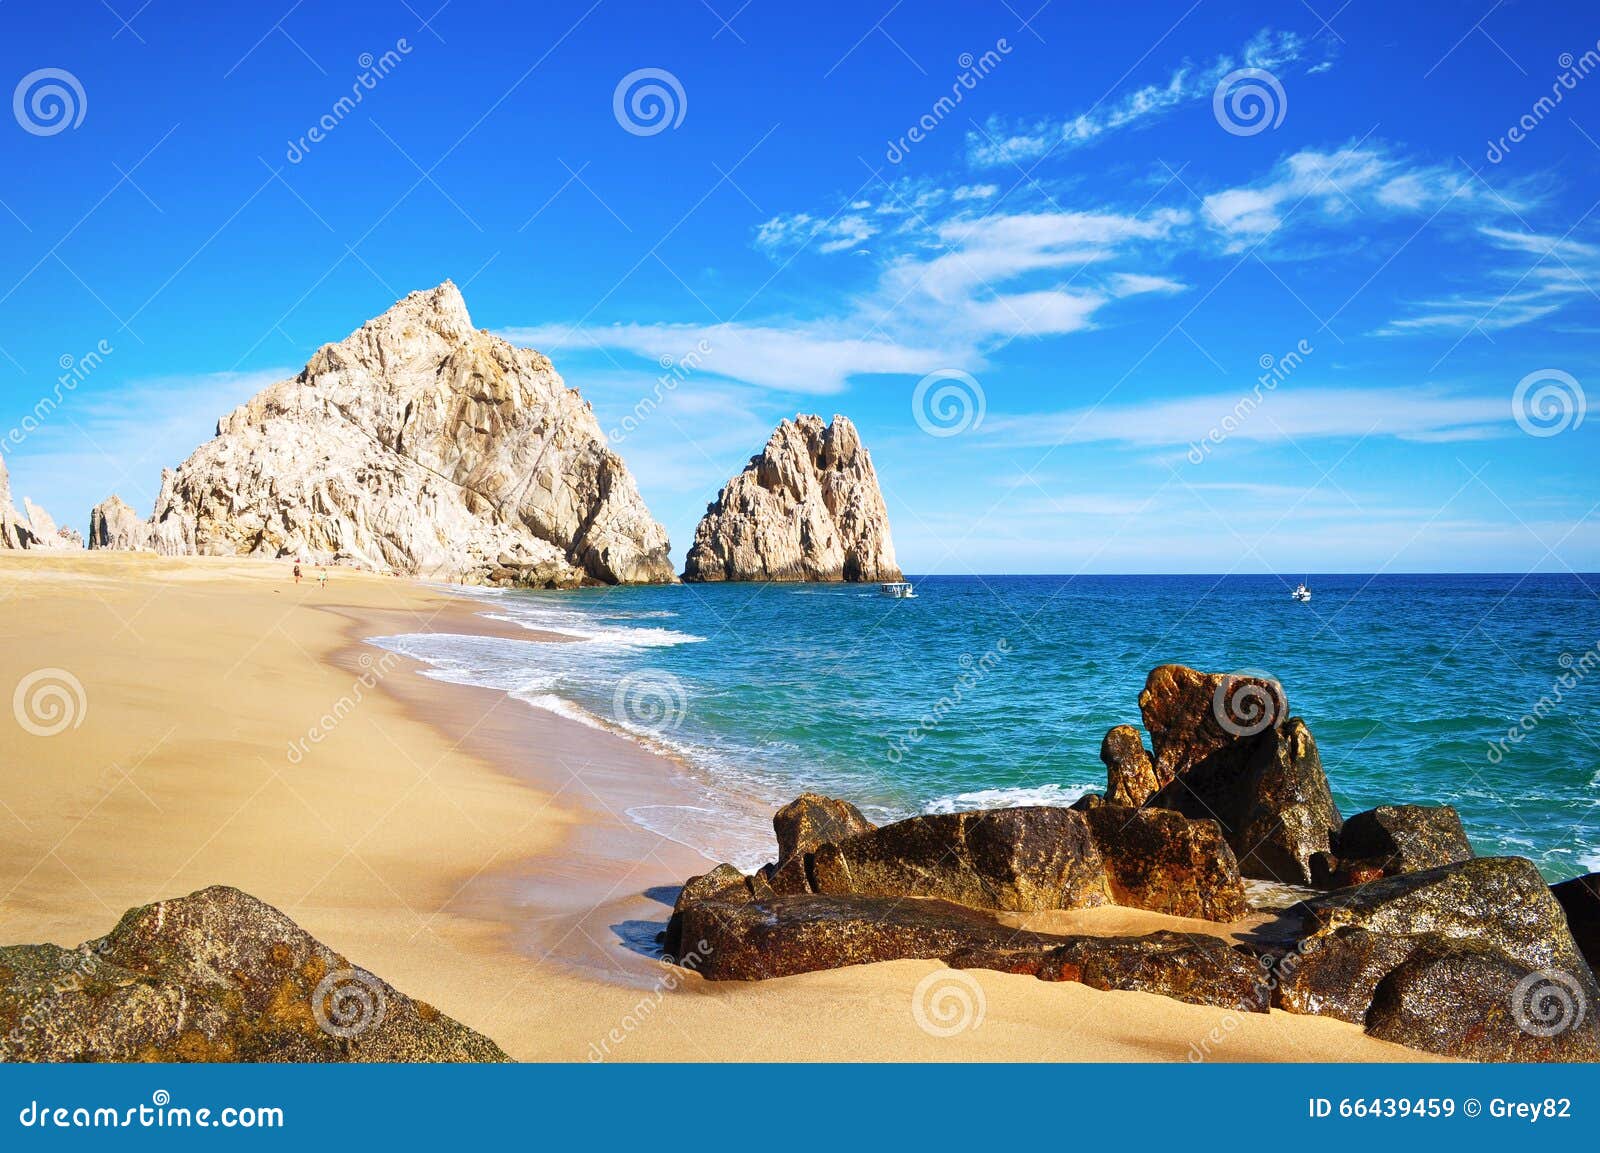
(418,445)
(421,445)
(214,976)
(807,508)
(32,528)
(1410,936)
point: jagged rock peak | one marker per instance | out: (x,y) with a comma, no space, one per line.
(31,528)
(419,445)
(807,508)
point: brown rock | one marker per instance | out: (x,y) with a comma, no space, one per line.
(1130,775)
(1018,860)
(1394,839)
(811,819)
(214,976)
(1271,796)
(788,935)
(1162,861)
(1191,715)
(1347,944)
(1467,999)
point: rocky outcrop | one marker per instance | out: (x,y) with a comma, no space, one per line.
(214,976)
(114,525)
(418,445)
(1394,839)
(1472,959)
(1224,747)
(32,528)
(781,936)
(1029,859)
(802,826)
(806,509)
(1131,775)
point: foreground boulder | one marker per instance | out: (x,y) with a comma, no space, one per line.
(782,936)
(419,445)
(1191,715)
(804,825)
(1441,960)
(1580,901)
(808,508)
(214,976)
(1040,857)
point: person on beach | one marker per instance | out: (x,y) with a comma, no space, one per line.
(296,572)
(322,577)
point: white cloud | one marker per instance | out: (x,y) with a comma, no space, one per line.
(1010,142)
(1289,414)
(1350,186)
(1561,270)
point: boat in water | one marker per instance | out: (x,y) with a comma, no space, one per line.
(899,590)
(1301,592)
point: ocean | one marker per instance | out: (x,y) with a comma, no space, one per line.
(1479,691)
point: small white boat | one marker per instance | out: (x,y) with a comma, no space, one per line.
(899,590)
(1301,592)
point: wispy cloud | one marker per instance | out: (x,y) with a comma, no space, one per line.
(1008,141)
(1561,270)
(1295,414)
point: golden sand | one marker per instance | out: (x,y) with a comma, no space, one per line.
(233,729)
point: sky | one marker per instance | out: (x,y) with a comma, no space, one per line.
(1194,287)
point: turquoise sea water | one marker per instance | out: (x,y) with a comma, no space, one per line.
(997,690)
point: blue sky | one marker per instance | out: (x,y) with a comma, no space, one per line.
(1104,245)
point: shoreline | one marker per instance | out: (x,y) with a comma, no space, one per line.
(434,837)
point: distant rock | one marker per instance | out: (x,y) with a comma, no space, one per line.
(807,508)
(418,445)
(214,976)
(114,525)
(32,528)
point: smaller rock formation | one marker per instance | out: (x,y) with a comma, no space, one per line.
(1131,775)
(114,525)
(1223,746)
(802,826)
(1394,839)
(806,509)
(32,528)
(214,976)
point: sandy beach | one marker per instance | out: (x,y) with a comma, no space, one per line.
(233,728)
